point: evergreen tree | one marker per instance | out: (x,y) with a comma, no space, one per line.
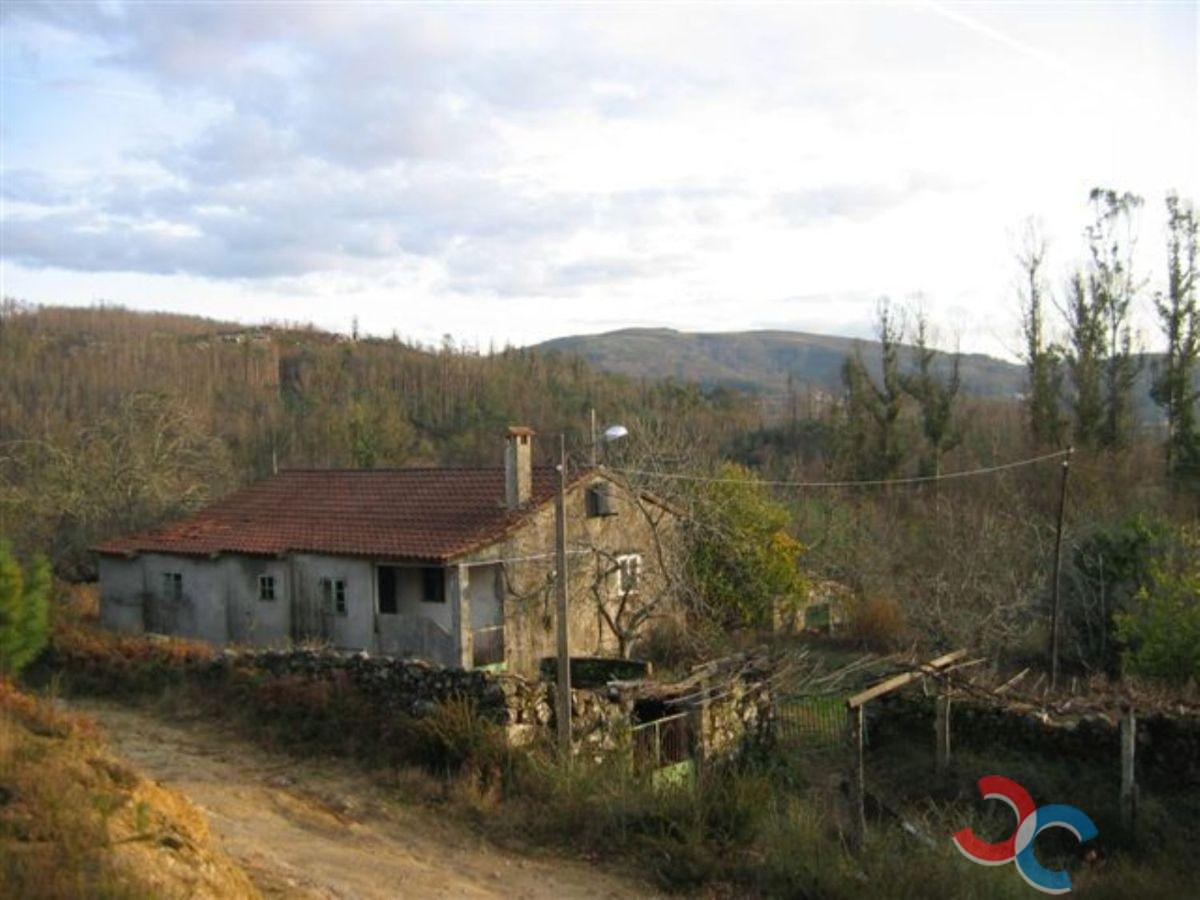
(1085,362)
(24,611)
(936,395)
(1113,289)
(1179,315)
(873,411)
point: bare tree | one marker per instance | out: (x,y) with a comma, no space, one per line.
(1042,357)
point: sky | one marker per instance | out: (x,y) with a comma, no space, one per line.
(508,173)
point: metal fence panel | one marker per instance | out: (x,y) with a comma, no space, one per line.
(810,720)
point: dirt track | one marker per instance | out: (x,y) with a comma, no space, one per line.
(310,830)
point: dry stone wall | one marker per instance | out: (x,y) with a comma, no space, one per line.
(1168,747)
(601,718)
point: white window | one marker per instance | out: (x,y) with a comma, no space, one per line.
(266,587)
(172,585)
(629,572)
(333,595)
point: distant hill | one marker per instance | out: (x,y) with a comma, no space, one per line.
(759,361)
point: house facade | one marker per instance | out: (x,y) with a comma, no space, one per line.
(455,566)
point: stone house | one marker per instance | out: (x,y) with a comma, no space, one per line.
(451,565)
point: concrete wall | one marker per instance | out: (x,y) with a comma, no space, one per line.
(221,596)
(410,600)
(419,628)
(220,600)
(121,594)
(356,629)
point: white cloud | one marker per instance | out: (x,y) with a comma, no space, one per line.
(522,171)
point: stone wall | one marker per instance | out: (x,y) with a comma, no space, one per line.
(528,602)
(727,716)
(1168,746)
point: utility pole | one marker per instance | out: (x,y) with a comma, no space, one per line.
(593,433)
(1054,602)
(563,706)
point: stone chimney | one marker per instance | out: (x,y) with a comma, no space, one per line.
(518,466)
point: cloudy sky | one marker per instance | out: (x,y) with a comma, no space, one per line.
(511,173)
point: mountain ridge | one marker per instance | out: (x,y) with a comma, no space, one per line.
(761,360)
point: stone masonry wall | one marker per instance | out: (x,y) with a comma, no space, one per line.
(1168,747)
(523,707)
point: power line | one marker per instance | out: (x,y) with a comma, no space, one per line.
(919,479)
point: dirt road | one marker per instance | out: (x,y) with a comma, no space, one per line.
(303,829)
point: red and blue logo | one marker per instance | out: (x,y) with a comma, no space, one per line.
(1018,847)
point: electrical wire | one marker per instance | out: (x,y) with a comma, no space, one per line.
(515,559)
(919,479)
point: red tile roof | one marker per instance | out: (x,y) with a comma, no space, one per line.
(421,514)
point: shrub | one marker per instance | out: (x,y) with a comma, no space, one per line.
(1162,627)
(741,556)
(24,611)
(671,647)
(1106,571)
(878,623)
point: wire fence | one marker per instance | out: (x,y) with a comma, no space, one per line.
(810,720)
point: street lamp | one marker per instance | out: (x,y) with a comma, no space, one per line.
(563,704)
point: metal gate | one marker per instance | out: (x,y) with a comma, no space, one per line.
(665,749)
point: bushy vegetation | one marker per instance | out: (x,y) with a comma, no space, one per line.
(1109,566)
(1161,625)
(742,559)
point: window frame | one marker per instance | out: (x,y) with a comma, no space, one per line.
(625,571)
(333,596)
(266,588)
(434,575)
(173,586)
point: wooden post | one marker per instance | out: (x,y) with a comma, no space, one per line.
(1129,791)
(699,722)
(942,729)
(858,820)
(1054,602)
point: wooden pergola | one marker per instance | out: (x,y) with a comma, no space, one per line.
(854,729)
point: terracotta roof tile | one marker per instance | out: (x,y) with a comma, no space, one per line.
(425,514)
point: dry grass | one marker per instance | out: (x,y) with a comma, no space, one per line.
(75,822)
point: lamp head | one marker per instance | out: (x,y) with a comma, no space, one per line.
(615,433)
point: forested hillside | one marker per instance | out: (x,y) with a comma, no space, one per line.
(111,419)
